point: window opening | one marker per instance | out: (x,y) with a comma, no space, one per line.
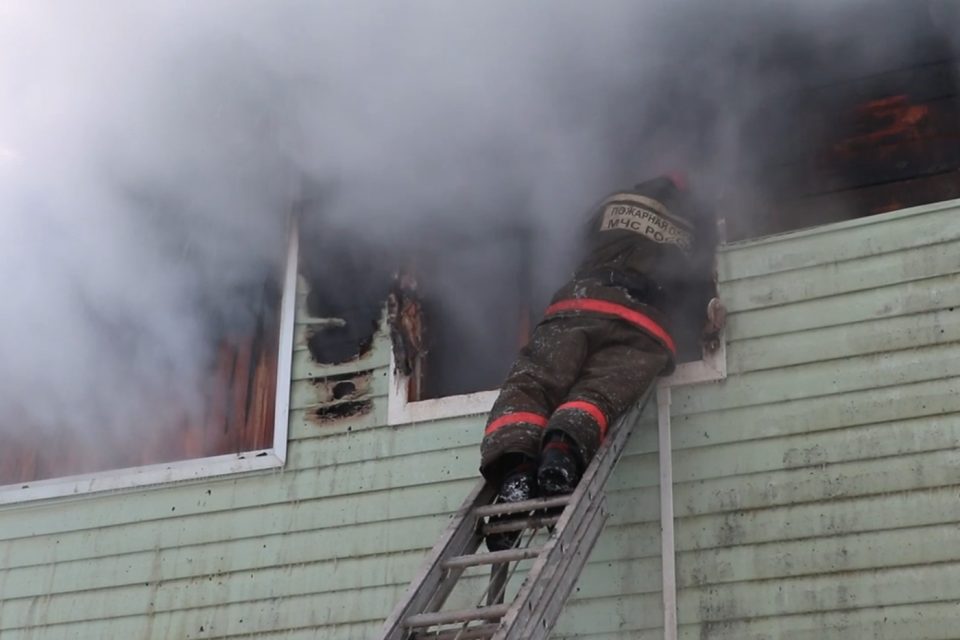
(833,148)
(476,304)
(242,425)
(458,318)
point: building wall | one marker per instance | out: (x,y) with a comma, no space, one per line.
(815,489)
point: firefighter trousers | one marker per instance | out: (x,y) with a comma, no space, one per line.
(576,376)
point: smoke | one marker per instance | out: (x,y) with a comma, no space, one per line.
(150,154)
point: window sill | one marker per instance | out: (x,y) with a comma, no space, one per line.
(711,368)
(135,477)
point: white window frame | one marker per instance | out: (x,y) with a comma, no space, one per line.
(198,468)
(400,410)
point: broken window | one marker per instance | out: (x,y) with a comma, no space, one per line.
(237,413)
(840,144)
(462,309)
(347,280)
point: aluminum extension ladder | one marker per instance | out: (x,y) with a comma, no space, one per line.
(538,603)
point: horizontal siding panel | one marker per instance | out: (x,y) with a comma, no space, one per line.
(836,278)
(641,614)
(315,392)
(844,341)
(278,543)
(314,610)
(821,379)
(915,471)
(218,590)
(919,621)
(831,592)
(326,447)
(855,552)
(306,423)
(599,579)
(264,546)
(897,231)
(885,302)
(361,631)
(822,413)
(223,621)
(185,575)
(861,514)
(349,491)
(304,366)
(362,562)
(329,482)
(265,542)
(816,449)
(234,498)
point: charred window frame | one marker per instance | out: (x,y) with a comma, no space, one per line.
(269,442)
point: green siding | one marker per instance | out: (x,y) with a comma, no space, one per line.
(816,490)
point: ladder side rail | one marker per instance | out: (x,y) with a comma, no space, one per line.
(540,581)
(552,604)
(590,487)
(459,534)
(543,617)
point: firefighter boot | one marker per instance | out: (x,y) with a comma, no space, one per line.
(560,467)
(517,485)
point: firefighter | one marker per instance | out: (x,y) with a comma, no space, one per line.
(604,340)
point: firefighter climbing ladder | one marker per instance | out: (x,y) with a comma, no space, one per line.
(540,598)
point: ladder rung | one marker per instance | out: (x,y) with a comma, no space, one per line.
(526,505)
(520,524)
(479,632)
(463,615)
(494,557)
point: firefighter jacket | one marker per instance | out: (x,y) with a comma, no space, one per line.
(640,259)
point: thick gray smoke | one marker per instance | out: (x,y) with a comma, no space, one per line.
(150,153)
